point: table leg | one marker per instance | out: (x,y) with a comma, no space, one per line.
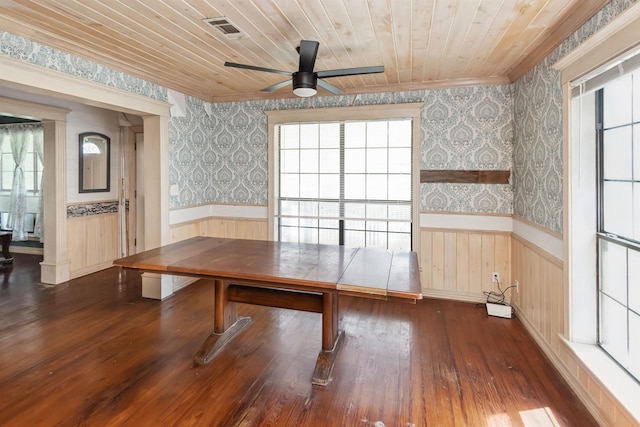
(226,324)
(332,338)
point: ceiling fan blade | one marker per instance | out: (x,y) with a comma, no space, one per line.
(253,67)
(308,52)
(329,87)
(350,71)
(277,86)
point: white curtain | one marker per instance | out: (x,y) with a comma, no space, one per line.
(20,137)
(38,140)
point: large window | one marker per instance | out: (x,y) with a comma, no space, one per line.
(32,167)
(618,136)
(346,181)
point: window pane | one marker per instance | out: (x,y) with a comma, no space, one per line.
(331,224)
(329,209)
(613,328)
(309,135)
(329,237)
(330,186)
(617,156)
(400,212)
(636,147)
(289,185)
(377,187)
(617,98)
(308,185)
(618,217)
(400,227)
(330,161)
(376,239)
(309,161)
(309,208)
(376,134)
(613,276)
(354,238)
(636,96)
(288,207)
(354,186)
(289,161)
(354,134)
(634,280)
(634,344)
(290,222)
(309,222)
(376,226)
(377,211)
(354,225)
(399,242)
(308,235)
(289,234)
(330,135)
(377,160)
(400,187)
(400,133)
(636,211)
(354,160)
(400,160)
(355,210)
(289,136)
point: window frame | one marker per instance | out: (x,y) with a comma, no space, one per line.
(606,235)
(368,112)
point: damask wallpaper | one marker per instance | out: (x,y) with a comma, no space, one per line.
(537,153)
(219,151)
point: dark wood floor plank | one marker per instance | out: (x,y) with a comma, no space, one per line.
(93,352)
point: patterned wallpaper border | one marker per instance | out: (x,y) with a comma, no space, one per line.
(88,209)
(20,48)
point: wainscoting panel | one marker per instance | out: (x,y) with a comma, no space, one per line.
(92,243)
(458,264)
(239,228)
(540,300)
(541,306)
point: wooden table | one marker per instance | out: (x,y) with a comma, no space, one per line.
(287,275)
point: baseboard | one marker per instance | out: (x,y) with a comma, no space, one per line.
(74,274)
(180,282)
(454,295)
(574,384)
(26,250)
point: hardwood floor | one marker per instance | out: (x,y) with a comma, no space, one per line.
(93,352)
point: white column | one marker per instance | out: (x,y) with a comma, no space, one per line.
(156,200)
(55,267)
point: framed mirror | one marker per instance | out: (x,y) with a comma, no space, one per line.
(95,162)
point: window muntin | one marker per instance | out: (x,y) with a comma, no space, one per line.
(345,182)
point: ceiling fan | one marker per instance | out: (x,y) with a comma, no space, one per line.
(305,81)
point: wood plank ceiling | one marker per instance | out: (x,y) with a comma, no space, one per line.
(421,43)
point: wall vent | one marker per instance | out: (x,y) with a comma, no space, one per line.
(226,27)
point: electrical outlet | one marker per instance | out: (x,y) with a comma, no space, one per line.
(495,277)
(517,284)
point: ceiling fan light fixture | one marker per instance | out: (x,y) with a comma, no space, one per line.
(304,92)
(304,84)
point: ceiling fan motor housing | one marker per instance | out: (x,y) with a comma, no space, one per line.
(305,79)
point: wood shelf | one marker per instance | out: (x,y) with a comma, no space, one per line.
(466,176)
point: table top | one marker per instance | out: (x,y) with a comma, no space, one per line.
(371,272)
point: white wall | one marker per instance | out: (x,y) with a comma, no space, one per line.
(81,119)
